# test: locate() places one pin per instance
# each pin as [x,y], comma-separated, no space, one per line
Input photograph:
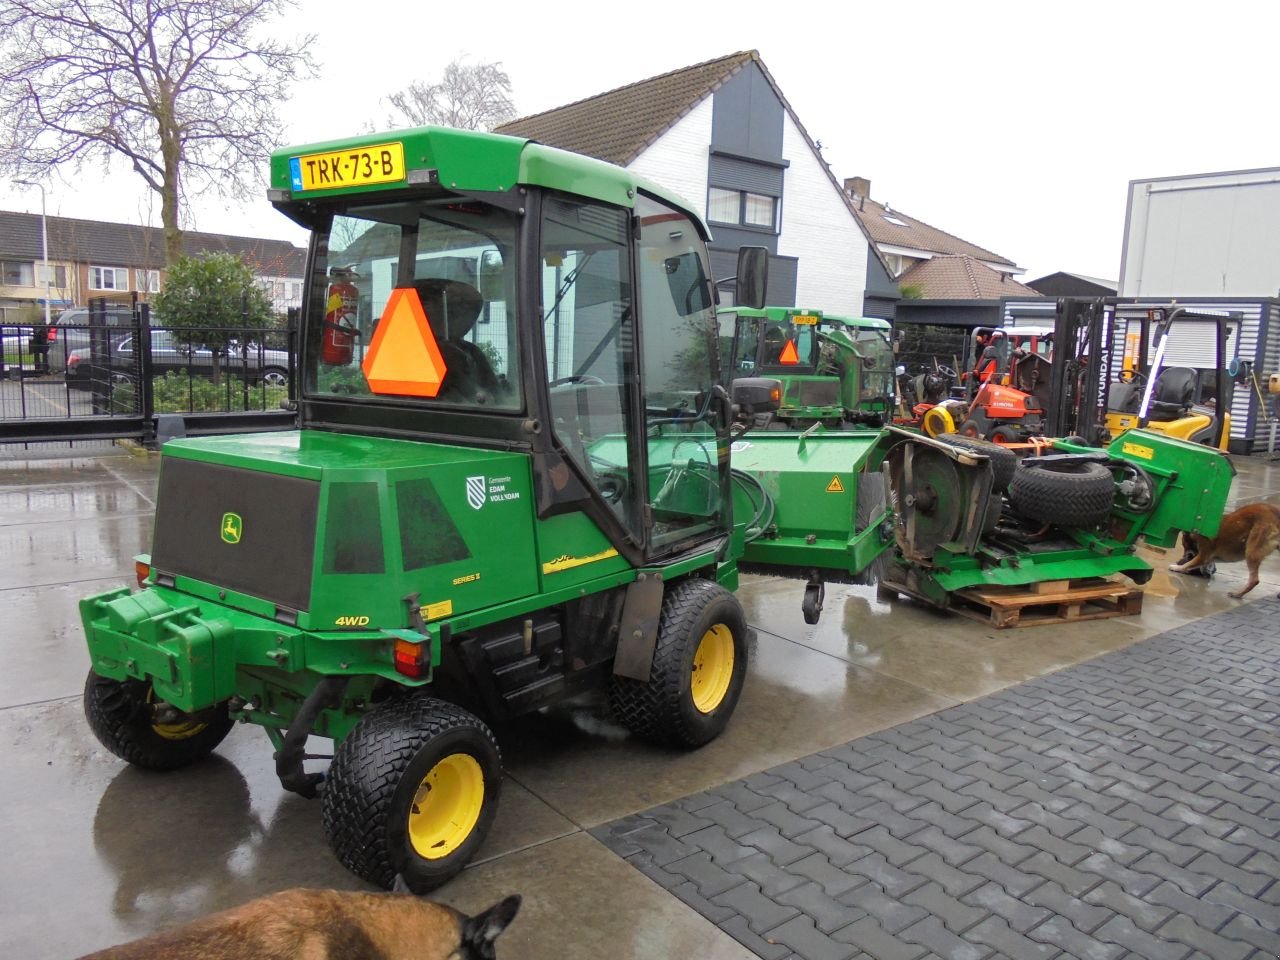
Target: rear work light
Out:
[410,659]
[142,570]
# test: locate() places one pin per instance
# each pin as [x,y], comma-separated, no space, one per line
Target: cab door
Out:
[685,416]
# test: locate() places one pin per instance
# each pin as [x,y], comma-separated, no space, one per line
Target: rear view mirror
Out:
[754,395]
[752,278]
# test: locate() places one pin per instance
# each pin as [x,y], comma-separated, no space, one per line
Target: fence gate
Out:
[107,372]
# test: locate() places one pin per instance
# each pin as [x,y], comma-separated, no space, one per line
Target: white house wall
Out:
[678,159]
[819,230]
[817,227]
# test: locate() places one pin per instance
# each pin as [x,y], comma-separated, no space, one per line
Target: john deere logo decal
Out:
[232,527]
[475,492]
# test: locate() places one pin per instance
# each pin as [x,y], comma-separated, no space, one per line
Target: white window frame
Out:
[98,275]
[146,280]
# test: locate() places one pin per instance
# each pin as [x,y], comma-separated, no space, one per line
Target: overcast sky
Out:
[1015,125]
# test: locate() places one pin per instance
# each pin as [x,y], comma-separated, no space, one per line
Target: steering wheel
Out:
[946,372]
[1133,376]
[576,378]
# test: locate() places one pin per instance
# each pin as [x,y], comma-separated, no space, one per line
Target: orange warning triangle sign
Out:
[790,356]
[835,486]
[404,358]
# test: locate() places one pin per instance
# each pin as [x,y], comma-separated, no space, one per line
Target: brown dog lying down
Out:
[328,925]
[1249,534]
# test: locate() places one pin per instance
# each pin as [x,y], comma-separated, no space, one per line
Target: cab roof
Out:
[472,161]
[783,314]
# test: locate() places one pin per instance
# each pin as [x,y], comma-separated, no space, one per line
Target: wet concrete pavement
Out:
[97,852]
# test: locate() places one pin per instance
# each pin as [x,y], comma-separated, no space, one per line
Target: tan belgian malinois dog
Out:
[328,925]
[1249,534]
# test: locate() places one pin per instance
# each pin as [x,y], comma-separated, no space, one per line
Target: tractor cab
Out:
[576,327]
[1183,399]
[834,370]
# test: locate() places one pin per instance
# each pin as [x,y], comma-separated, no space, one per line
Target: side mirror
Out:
[752,278]
[754,395]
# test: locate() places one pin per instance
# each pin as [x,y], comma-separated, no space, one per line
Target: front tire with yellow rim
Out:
[132,723]
[699,664]
[412,791]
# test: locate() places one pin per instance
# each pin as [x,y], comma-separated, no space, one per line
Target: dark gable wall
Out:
[882,290]
[746,154]
[746,118]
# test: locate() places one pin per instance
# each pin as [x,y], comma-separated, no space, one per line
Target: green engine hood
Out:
[332,531]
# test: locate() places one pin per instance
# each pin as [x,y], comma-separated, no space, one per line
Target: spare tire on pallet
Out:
[1064,494]
[1003,460]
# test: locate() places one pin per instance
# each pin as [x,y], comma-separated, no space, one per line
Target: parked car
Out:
[268,364]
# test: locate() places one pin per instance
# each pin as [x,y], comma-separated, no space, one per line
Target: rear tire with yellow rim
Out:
[123,716]
[412,791]
[699,664]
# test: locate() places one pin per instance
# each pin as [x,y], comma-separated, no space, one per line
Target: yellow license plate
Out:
[353,167]
[804,320]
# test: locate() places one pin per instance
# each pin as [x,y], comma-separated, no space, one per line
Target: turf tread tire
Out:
[1004,462]
[662,710]
[117,715]
[1066,495]
[362,792]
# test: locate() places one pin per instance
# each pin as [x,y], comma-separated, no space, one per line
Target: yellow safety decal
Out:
[835,486]
[1137,450]
[567,562]
[469,578]
[434,611]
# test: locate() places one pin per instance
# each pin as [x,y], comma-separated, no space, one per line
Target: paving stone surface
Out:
[1125,807]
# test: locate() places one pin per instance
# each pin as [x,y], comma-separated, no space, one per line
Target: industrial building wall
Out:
[1209,235]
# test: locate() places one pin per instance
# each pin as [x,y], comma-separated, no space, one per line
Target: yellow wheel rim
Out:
[937,420]
[175,731]
[712,668]
[446,806]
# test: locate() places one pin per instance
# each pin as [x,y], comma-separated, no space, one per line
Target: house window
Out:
[16,273]
[723,205]
[758,210]
[148,280]
[742,208]
[894,262]
[57,275]
[108,278]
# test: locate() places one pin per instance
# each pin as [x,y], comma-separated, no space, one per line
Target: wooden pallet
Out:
[1058,601]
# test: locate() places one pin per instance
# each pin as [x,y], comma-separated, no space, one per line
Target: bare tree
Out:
[186,91]
[473,97]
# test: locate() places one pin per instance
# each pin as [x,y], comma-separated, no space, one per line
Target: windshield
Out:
[415,301]
[874,346]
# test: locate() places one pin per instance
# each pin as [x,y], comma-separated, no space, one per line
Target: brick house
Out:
[92,258]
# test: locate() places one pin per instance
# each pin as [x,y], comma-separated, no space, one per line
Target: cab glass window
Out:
[589,340]
[456,258]
[679,370]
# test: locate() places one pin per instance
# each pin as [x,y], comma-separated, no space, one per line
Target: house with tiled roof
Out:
[116,261]
[959,277]
[722,135]
[905,242]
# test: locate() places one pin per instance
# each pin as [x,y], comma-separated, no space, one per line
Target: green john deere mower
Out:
[510,485]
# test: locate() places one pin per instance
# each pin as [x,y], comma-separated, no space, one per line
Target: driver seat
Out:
[1174,393]
[452,308]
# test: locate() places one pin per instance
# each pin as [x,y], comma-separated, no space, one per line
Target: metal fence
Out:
[110,374]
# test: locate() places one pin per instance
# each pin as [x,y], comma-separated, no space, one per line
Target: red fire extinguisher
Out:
[340,318]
